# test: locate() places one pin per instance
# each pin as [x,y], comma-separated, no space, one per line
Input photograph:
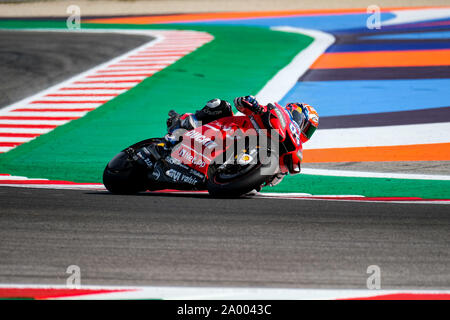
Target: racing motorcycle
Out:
[228,157]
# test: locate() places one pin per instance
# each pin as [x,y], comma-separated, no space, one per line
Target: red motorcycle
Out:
[228,157]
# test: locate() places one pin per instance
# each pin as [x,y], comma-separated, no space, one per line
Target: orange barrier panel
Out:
[418,152]
[377,59]
[189,17]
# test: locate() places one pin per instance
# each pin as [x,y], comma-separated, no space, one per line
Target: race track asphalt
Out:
[151,239]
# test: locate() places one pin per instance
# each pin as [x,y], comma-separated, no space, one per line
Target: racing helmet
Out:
[306,118]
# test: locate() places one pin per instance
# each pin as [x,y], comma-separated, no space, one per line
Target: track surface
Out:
[33,61]
[193,240]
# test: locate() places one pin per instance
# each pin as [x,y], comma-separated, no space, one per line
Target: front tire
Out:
[234,187]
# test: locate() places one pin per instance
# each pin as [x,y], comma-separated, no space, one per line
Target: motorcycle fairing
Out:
[172,172]
[200,146]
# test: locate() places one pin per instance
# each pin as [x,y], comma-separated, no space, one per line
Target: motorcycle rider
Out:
[303,114]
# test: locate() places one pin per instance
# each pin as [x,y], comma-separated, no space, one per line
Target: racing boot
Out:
[178,124]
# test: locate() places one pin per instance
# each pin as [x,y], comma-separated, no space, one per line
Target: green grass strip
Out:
[370,187]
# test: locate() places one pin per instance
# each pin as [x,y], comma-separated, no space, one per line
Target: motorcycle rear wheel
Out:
[123,175]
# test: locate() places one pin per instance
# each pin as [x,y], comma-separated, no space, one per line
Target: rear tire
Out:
[124,176]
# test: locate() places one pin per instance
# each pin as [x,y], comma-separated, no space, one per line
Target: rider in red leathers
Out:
[303,114]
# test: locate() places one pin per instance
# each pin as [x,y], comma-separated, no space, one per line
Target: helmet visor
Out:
[298,117]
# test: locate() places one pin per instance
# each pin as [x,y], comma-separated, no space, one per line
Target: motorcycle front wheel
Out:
[238,180]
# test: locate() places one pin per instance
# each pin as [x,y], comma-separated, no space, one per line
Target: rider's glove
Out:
[248,102]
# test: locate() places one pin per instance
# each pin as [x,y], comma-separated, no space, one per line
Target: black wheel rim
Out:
[232,172]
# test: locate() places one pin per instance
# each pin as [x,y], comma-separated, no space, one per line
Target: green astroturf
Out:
[370,187]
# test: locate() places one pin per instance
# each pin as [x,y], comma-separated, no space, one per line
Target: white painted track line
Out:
[226,293]
[388,175]
[415,15]
[286,78]
[381,136]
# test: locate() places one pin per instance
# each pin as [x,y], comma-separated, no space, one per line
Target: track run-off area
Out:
[378,165]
